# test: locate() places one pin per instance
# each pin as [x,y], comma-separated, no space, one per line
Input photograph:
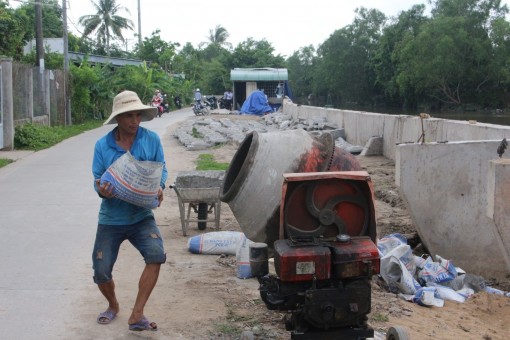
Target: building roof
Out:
[96,59]
[262,74]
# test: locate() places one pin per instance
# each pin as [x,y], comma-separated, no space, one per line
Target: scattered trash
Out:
[423,280]
[243,268]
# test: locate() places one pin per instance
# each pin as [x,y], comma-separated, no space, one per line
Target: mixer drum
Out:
[252,185]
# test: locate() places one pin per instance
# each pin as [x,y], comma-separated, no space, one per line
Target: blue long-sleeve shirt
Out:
[146,147]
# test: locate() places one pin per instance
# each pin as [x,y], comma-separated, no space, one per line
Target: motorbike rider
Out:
[198,97]
[177,101]
[157,101]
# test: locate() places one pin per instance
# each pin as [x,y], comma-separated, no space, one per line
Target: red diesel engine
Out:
[325,257]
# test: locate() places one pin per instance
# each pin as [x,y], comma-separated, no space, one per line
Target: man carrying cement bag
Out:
[121,220]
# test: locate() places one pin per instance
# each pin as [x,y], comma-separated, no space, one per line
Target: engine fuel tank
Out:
[355,257]
[301,262]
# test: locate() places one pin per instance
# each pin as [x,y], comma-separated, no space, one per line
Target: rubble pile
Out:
[204,132]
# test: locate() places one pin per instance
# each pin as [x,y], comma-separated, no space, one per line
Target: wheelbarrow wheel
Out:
[203,210]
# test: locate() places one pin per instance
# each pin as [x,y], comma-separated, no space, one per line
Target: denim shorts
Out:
[144,236]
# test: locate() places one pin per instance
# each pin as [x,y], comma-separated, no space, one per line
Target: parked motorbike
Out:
[211,102]
[222,102]
[177,102]
[201,109]
[165,105]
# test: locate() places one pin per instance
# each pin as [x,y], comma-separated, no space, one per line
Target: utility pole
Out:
[139,26]
[39,36]
[39,44]
[67,102]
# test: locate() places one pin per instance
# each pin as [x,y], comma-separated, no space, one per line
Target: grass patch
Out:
[37,137]
[379,317]
[4,162]
[228,329]
[206,162]
[195,133]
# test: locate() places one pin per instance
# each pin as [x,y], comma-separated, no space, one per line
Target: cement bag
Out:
[405,254]
[215,243]
[396,275]
[390,242]
[243,268]
[398,265]
[438,272]
[136,182]
[447,293]
[428,296]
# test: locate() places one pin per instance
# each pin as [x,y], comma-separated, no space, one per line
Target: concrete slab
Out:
[444,186]
[374,147]
[498,203]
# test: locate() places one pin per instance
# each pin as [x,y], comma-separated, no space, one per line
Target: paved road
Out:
[48,214]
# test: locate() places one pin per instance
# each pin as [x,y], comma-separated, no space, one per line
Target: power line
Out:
[71,21]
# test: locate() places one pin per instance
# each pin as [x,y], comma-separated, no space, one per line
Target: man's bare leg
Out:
[108,291]
[147,283]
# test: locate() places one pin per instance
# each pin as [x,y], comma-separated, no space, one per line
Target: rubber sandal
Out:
[106,317]
[143,325]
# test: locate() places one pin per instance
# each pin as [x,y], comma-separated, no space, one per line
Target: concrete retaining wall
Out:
[499,203]
[396,129]
[443,182]
[444,187]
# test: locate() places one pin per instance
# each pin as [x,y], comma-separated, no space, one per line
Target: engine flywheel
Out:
[327,208]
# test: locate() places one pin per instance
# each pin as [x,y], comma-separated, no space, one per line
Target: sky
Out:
[287,24]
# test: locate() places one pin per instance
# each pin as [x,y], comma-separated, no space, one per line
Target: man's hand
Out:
[160,196]
[105,190]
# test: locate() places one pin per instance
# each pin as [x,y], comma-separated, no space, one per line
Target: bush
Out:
[34,137]
[38,137]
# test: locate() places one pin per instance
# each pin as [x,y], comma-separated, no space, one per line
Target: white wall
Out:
[396,129]
[51,44]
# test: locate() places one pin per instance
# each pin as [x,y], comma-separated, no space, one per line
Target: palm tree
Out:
[218,36]
[105,22]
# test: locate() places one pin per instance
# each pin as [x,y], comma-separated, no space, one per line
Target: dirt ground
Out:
[199,296]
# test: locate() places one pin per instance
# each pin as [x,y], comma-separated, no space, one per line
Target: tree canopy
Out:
[453,57]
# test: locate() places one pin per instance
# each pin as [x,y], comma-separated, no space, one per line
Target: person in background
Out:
[229,98]
[157,101]
[177,101]
[265,95]
[158,97]
[198,97]
[119,220]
